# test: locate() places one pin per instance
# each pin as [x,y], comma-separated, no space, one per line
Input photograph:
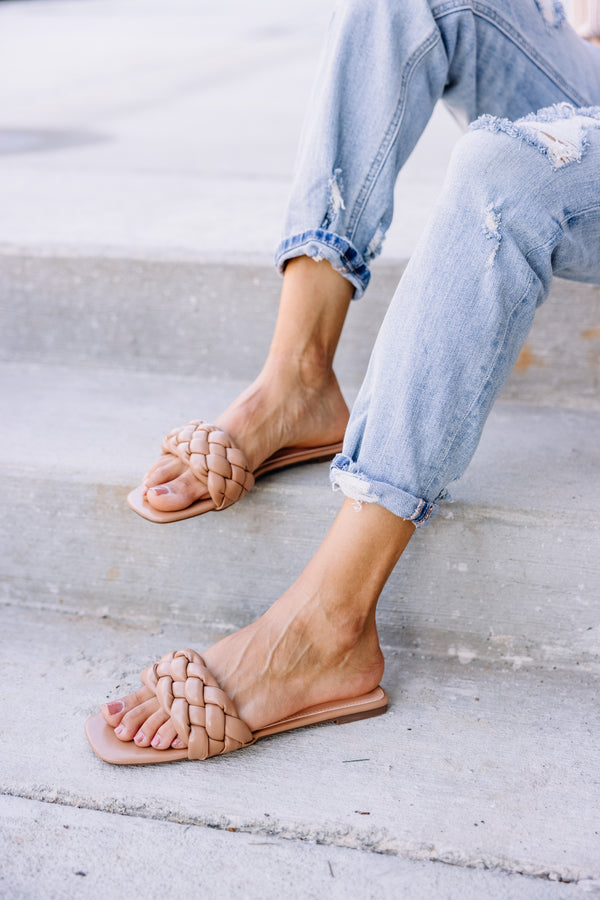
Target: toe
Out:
[165,736]
[166,468]
[134,720]
[177,494]
[147,730]
[115,710]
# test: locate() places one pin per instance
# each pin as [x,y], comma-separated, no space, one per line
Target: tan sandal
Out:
[206,719]
[217,462]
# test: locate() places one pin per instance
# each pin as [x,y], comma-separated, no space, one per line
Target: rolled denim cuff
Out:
[320,244]
[346,476]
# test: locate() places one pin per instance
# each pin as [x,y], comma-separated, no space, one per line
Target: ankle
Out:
[353,642]
[308,368]
[336,626]
[315,369]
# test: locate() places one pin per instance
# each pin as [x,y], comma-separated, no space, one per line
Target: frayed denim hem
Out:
[320,244]
[345,476]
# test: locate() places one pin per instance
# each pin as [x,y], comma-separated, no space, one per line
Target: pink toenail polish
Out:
[161,489]
[116,706]
[119,730]
[139,737]
[176,743]
[156,741]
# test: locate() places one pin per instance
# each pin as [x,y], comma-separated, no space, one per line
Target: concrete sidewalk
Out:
[130,128]
[147,151]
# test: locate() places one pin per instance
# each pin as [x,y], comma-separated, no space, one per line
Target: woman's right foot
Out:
[317,643]
[280,409]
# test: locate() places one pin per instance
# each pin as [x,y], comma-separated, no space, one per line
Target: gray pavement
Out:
[132,128]
[146,154]
[89,853]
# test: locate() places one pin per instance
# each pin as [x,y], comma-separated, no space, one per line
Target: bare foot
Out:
[280,409]
[295,401]
[293,657]
[317,643]
[138,717]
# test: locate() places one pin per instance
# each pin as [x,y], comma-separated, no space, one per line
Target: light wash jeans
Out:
[385,65]
[521,202]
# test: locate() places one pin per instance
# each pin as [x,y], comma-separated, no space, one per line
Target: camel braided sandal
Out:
[213,459]
[205,717]
[216,462]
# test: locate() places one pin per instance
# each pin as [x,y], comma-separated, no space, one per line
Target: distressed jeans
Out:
[521,202]
[385,65]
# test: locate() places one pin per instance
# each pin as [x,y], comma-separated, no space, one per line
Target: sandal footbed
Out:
[108,747]
[289,456]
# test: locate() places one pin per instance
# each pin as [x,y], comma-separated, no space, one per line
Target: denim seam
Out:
[580,212]
[389,137]
[491,16]
[562,226]
[529,50]
[548,244]
[485,381]
[554,238]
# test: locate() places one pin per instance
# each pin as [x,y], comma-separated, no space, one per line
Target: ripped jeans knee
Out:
[521,204]
[559,132]
[524,178]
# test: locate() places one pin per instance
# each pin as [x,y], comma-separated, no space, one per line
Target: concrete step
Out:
[120,184]
[214,321]
[509,573]
[473,767]
[86,852]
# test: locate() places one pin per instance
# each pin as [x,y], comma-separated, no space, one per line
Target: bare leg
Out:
[318,642]
[296,399]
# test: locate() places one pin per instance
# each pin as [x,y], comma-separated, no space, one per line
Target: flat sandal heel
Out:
[355,717]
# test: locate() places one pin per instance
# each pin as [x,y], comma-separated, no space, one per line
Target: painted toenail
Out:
[116,706]
[139,737]
[177,743]
[156,741]
[119,730]
[161,489]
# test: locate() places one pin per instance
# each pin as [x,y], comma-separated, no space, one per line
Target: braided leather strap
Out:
[213,459]
[204,717]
